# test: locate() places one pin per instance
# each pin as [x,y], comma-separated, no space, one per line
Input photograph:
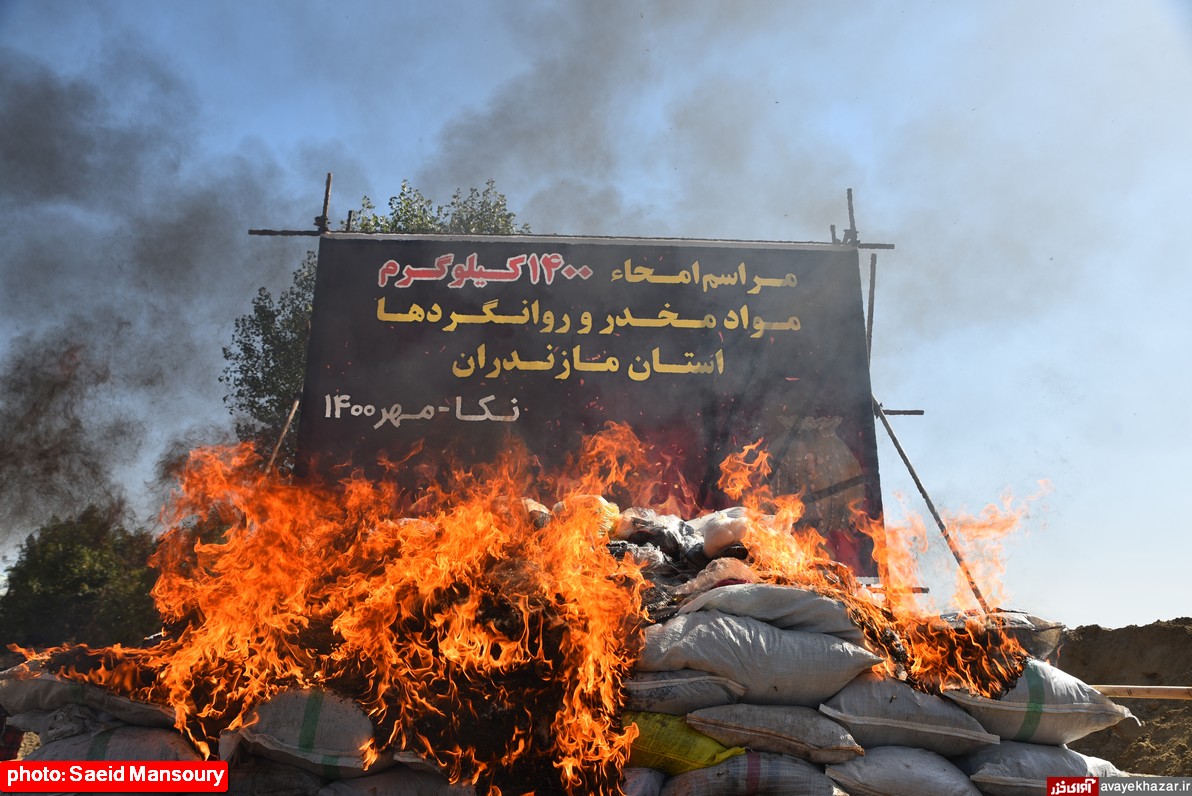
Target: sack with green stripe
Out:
[311,729]
[119,743]
[1045,706]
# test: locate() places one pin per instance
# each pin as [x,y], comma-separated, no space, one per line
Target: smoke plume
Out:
[125,262]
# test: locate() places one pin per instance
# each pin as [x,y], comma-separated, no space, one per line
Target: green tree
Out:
[266,360]
[81,580]
[475,213]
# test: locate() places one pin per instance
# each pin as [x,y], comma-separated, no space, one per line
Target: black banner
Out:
[702,347]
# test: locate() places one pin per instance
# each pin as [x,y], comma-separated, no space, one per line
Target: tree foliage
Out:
[84,579]
[266,360]
[478,212]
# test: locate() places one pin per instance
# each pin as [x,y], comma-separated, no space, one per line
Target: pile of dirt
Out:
[1155,654]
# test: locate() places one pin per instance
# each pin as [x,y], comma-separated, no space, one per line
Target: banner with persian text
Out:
[422,345]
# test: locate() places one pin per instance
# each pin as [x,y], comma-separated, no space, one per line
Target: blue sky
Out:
[1030,161]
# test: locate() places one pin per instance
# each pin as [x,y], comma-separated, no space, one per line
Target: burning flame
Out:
[477,628]
[918,646]
[458,631]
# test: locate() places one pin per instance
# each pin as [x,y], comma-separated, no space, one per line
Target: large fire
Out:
[477,628]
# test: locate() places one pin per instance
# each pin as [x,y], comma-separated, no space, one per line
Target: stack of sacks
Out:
[76,721]
[1045,709]
[746,665]
[298,742]
[780,684]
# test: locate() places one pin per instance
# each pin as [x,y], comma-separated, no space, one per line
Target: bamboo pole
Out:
[1145,691]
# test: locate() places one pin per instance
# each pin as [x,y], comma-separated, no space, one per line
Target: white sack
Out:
[786,729]
[777,667]
[882,711]
[642,781]
[125,743]
[786,607]
[29,687]
[753,774]
[1022,769]
[679,692]
[901,771]
[1046,706]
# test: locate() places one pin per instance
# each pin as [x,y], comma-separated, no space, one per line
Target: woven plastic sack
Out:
[1045,706]
[777,667]
[901,771]
[784,729]
[1041,638]
[642,781]
[399,781]
[721,529]
[881,711]
[311,729]
[666,743]
[28,687]
[1022,769]
[68,720]
[786,607]
[722,569]
[256,776]
[124,743]
[754,774]
[679,692]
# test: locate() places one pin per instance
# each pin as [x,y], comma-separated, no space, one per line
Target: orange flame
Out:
[918,646]
[467,616]
[482,631]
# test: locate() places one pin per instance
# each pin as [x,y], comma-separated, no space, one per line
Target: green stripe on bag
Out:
[1035,697]
[310,720]
[98,748]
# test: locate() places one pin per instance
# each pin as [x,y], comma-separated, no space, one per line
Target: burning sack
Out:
[777,667]
[119,743]
[311,729]
[1045,706]
[400,781]
[30,689]
[784,607]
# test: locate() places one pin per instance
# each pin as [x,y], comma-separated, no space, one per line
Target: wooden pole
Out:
[939,522]
[1145,691]
[869,312]
[281,438]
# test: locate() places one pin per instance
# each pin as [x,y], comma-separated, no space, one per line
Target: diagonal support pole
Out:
[877,410]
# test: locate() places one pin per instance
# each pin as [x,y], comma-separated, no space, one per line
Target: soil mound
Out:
[1154,654]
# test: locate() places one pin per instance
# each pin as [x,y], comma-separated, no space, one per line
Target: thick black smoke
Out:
[59,437]
[125,262]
